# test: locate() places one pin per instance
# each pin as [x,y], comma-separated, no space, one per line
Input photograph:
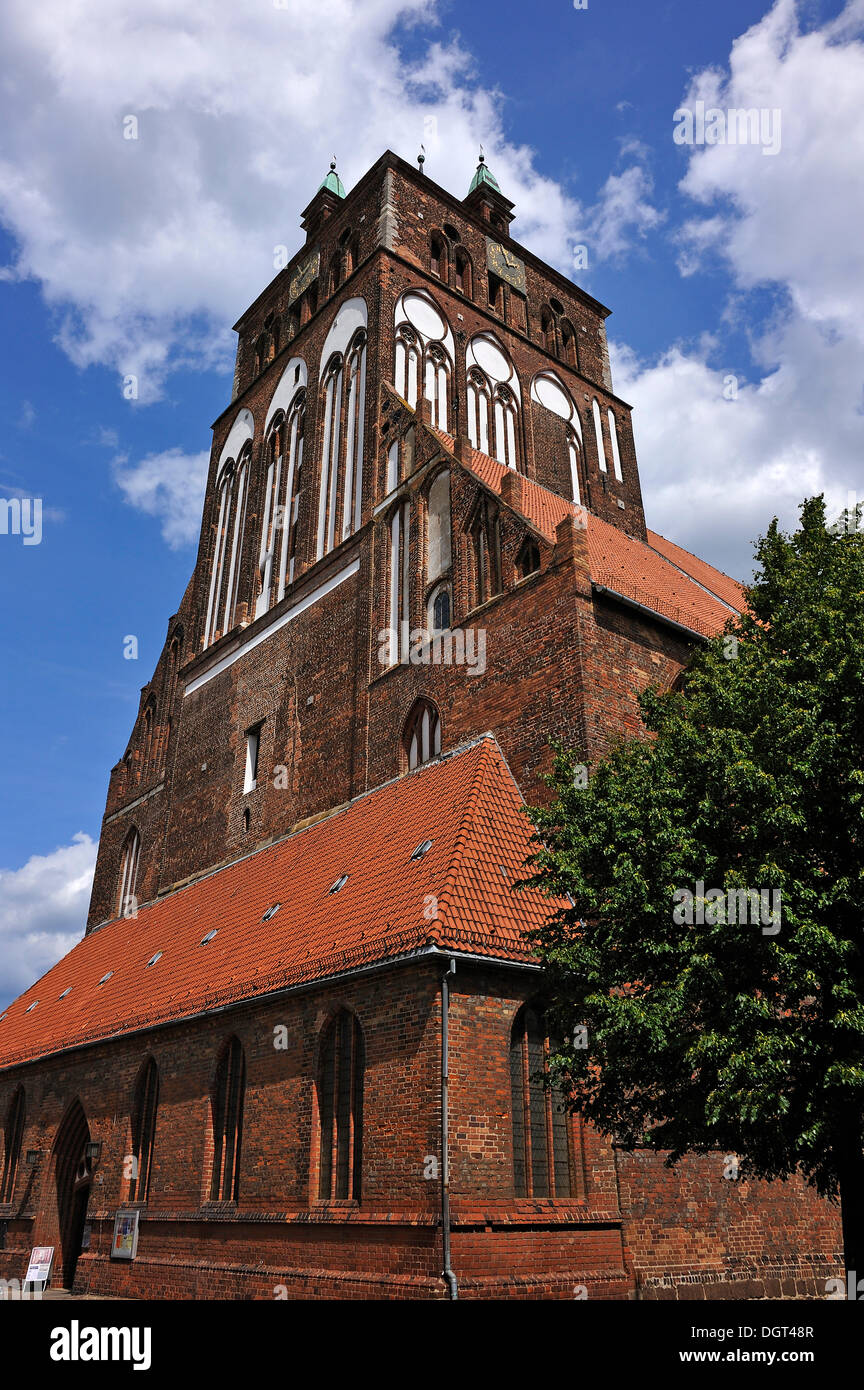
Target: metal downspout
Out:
[448,1273]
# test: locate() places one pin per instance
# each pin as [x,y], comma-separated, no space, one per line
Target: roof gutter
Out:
[301,987]
[650,612]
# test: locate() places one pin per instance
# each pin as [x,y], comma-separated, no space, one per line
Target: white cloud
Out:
[170,486]
[624,212]
[149,247]
[714,470]
[43,909]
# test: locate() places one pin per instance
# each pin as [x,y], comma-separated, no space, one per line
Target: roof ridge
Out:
[706,564]
[649,530]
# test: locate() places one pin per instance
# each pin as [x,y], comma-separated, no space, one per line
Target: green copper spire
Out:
[483,174]
[333,181]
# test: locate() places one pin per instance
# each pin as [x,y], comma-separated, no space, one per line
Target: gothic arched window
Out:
[356,388]
[505,426]
[273,451]
[229,1088]
[13,1134]
[493,399]
[424,355]
[340,1109]
[407,363]
[479,409]
[333,272]
[344,405]
[437,389]
[126,901]
[438,610]
[598,435]
[398,576]
[438,542]
[332,404]
[574,453]
[438,256]
[173,671]
[288,507]
[230,526]
[547,329]
[613,439]
[485,540]
[422,737]
[144,1106]
[462,273]
[529,558]
[543,1160]
[148,732]
[568,343]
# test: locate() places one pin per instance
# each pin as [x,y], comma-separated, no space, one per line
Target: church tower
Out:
[418,402]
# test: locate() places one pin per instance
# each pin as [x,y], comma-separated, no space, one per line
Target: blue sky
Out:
[121,256]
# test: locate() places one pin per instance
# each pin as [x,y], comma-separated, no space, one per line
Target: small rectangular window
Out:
[253,742]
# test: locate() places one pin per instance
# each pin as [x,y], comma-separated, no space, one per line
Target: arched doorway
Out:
[73,1172]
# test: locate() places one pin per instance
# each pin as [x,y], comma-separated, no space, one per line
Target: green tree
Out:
[714,1033]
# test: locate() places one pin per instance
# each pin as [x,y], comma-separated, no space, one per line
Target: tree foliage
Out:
[726,1035]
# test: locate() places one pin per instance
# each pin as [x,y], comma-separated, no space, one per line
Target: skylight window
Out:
[422,849]
[153,959]
[31,1007]
[209,937]
[339,884]
[67,990]
[106,977]
[271,912]
[2,1016]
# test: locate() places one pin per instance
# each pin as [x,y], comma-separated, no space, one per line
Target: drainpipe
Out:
[449,1276]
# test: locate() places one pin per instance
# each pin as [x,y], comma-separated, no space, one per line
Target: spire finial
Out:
[483,174]
[333,182]
[421,158]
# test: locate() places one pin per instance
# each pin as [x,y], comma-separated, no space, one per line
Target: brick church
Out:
[300,1046]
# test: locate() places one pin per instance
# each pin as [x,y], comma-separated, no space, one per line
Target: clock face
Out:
[507,266]
[303,276]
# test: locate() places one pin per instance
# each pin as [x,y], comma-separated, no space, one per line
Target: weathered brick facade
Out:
[567,609]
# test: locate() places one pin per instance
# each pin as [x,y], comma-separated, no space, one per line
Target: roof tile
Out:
[466,803]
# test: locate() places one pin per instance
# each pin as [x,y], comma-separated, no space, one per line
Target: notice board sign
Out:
[41,1263]
[124,1245]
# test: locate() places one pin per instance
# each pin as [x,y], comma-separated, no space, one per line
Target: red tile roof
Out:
[729,590]
[466,803]
[658,575]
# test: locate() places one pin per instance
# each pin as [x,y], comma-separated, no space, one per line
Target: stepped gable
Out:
[466,803]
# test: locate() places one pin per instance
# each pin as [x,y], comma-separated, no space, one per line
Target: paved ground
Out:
[61,1296]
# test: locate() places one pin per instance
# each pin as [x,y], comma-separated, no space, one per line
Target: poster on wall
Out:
[125,1243]
[39,1268]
